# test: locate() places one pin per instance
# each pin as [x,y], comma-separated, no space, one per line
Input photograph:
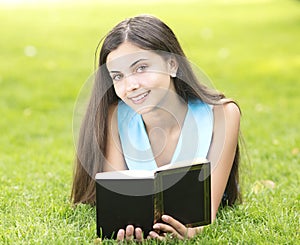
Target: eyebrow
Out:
[133,64]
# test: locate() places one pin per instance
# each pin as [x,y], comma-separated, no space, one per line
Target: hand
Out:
[130,233]
[174,228]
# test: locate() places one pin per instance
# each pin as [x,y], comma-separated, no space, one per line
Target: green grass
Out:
[251,51]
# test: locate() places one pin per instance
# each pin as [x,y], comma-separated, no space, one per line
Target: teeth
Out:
[135,99]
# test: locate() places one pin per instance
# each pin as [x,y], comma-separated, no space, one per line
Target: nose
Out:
[132,83]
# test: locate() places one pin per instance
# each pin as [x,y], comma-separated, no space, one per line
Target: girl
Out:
[143,73]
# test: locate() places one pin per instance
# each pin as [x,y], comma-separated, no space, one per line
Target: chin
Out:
[144,109]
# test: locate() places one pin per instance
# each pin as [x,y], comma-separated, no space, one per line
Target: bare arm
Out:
[114,154]
[222,150]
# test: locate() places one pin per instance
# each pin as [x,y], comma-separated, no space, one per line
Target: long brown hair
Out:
[148,33]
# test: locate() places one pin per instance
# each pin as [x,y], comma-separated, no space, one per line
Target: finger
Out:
[120,235]
[154,235]
[139,234]
[129,232]
[165,228]
[179,227]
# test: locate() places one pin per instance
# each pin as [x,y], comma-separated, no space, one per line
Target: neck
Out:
[167,116]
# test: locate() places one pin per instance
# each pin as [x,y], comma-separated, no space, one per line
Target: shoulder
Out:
[112,109]
[112,112]
[112,122]
[228,108]
[227,116]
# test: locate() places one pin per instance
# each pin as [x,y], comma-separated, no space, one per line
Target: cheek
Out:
[156,79]
[119,89]
[162,81]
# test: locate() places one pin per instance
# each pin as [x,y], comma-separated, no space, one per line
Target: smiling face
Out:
[141,77]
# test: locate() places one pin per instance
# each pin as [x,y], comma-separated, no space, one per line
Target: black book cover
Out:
[182,192]
[116,210]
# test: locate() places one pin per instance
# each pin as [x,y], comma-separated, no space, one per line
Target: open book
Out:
[140,197]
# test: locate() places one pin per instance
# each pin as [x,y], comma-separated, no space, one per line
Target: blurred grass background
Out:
[250,50]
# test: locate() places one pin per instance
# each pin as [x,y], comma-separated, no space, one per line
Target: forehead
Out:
[126,54]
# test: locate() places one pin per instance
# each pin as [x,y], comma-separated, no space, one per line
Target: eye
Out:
[117,77]
[141,68]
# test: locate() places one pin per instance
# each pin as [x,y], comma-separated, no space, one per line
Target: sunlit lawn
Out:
[250,50]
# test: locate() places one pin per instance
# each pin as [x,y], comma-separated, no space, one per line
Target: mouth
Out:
[139,98]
